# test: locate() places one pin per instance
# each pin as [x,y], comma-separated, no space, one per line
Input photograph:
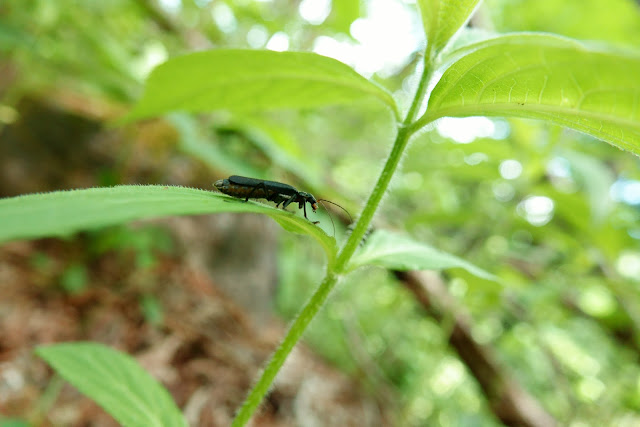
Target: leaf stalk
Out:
[335,272]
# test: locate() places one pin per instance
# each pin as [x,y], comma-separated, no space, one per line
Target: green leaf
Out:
[61,213]
[116,382]
[253,80]
[443,18]
[398,252]
[540,76]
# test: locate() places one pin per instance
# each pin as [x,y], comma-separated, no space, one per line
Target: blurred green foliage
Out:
[144,243]
[551,212]
[616,21]
[74,279]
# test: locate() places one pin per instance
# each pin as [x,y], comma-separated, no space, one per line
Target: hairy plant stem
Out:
[334,273]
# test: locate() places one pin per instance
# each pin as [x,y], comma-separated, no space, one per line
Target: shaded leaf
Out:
[399,252]
[252,80]
[545,77]
[116,382]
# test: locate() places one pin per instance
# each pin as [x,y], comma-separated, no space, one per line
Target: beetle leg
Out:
[288,202]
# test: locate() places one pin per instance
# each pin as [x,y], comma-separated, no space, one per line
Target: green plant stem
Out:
[296,330]
[334,272]
[46,400]
[402,138]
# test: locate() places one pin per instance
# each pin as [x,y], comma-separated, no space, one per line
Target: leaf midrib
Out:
[515,109]
[200,92]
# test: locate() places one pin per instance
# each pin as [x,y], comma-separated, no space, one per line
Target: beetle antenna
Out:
[346,211]
[329,213]
[330,217]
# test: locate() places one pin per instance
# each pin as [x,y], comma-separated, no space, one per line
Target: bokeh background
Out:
[201,302]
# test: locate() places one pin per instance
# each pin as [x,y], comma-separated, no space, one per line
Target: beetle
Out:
[251,188]
[245,188]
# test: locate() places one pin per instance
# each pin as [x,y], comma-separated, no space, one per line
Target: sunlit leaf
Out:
[442,18]
[116,382]
[539,76]
[399,252]
[61,213]
[252,80]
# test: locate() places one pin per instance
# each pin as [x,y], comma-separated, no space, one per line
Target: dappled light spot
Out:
[449,376]
[467,129]
[342,50]
[590,389]
[626,191]
[597,301]
[153,54]
[559,167]
[257,36]
[538,210]
[560,175]
[314,11]
[8,114]
[378,52]
[628,265]
[476,158]
[510,169]
[571,354]
[171,6]
[372,50]
[224,18]
[278,42]
[503,191]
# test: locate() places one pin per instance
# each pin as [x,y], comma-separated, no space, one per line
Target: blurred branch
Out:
[191,38]
[157,15]
[513,405]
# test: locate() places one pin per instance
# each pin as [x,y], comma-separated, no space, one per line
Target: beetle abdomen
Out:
[241,191]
